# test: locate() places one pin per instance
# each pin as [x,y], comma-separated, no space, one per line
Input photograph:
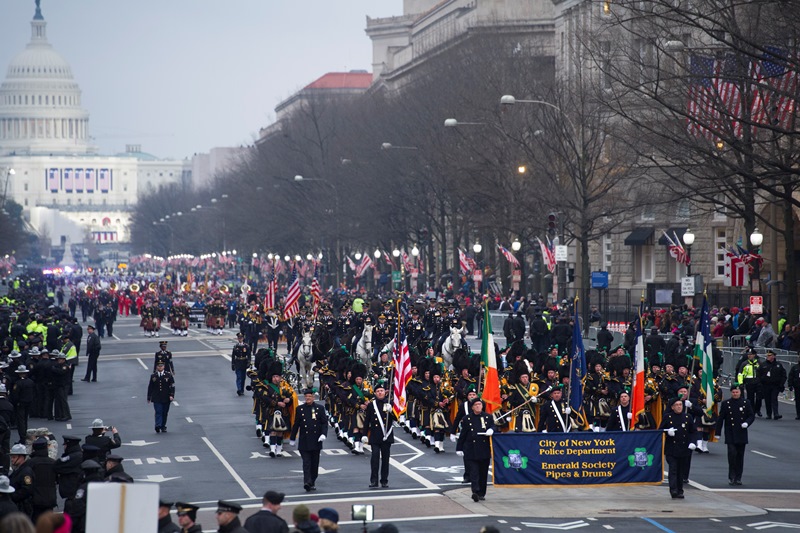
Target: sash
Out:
[386,434]
[358,391]
[560,418]
[623,420]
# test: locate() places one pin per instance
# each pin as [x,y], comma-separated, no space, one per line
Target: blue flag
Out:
[578,367]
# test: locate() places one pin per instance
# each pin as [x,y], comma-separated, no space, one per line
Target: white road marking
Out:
[229,468]
[69,426]
[176,404]
[764,454]
[116,337]
[515,528]
[502,521]
[715,519]
[413,475]
[766,491]
[780,510]
[736,528]
[607,526]
[422,518]
[142,363]
[188,419]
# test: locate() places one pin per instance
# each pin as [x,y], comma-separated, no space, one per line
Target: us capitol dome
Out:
[40,102]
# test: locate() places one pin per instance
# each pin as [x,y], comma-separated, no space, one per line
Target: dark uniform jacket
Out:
[235,526]
[474,446]
[266,521]
[117,474]
[166,525]
[93,344]
[677,446]
[240,358]
[68,470]
[164,356]
[310,422]
[104,443]
[161,387]
[772,374]
[549,420]
[732,413]
[44,479]
[379,422]
[22,481]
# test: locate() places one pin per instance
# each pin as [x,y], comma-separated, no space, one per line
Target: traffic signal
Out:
[552,224]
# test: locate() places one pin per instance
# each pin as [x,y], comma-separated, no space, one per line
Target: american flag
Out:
[508,255]
[292,305]
[702,110]
[676,250]
[366,263]
[402,373]
[316,292]
[272,288]
[775,95]
[279,267]
[729,95]
[548,256]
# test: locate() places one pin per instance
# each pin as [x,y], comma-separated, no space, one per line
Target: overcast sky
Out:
[183,76]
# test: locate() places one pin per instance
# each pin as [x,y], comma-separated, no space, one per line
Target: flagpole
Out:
[571,359]
[483,335]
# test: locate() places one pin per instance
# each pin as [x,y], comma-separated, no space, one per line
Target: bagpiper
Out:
[215,316]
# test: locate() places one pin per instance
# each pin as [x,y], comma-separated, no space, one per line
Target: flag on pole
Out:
[292,305]
[272,288]
[548,256]
[366,262]
[491,381]
[388,259]
[577,372]
[316,292]
[637,398]
[703,354]
[462,261]
[508,255]
[402,373]
[351,263]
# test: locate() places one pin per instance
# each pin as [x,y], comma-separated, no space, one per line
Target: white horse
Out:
[451,344]
[364,346]
[305,357]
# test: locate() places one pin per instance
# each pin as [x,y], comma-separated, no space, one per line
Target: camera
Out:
[363,513]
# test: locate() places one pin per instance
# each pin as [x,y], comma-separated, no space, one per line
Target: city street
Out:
[211,452]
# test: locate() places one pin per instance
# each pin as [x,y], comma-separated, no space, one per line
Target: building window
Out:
[607,251]
[684,210]
[26,201]
[25,187]
[720,214]
[648,213]
[643,263]
[720,241]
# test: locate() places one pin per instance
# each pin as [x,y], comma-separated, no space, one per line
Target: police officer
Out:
[21,478]
[772,378]
[68,467]
[678,445]
[101,442]
[228,517]
[379,424]
[187,514]
[312,425]
[475,446]
[93,353]
[115,473]
[240,362]
[160,392]
[735,416]
[165,523]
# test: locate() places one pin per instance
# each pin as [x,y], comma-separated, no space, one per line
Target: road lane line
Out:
[142,363]
[413,475]
[764,454]
[188,419]
[69,426]
[421,519]
[780,510]
[229,468]
[370,493]
[659,526]
[116,337]
[211,346]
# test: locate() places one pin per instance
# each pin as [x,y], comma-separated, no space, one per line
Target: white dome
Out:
[40,102]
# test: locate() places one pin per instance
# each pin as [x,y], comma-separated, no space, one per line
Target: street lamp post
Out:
[516,246]
[477,247]
[756,239]
[688,240]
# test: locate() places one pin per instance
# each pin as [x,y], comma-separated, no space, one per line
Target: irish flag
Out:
[702,352]
[491,382]
[637,396]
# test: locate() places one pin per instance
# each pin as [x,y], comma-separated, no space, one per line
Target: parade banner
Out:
[578,458]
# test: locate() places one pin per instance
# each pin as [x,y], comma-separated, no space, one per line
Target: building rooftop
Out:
[355,79]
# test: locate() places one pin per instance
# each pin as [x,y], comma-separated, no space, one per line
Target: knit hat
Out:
[301,514]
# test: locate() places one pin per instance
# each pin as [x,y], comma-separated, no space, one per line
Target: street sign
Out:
[756,305]
[516,276]
[687,286]
[600,279]
[562,254]
[396,276]
[477,275]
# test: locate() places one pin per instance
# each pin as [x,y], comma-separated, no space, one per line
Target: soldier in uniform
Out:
[345,322]
[240,362]
[311,425]
[379,426]
[522,398]
[415,329]
[431,317]
[678,445]
[164,356]
[474,445]
[382,334]
[273,329]
[735,416]
[160,392]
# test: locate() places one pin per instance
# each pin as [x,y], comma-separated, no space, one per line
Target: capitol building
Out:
[68,192]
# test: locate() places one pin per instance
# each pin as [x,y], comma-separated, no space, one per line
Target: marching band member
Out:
[380,418]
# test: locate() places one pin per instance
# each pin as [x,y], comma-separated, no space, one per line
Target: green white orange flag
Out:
[491,381]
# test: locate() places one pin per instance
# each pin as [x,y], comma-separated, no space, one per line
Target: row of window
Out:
[46,99]
[40,70]
[43,128]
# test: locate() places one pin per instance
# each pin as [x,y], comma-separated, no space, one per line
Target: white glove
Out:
[292,442]
[489,432]
[321,438]
[534,400]
[453,438]
[744,425]
[568,410]
[460,453]
[671,432]
[630,416]
[545,431]
[688,404]
[364,439]
[596,429]
[692,446]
